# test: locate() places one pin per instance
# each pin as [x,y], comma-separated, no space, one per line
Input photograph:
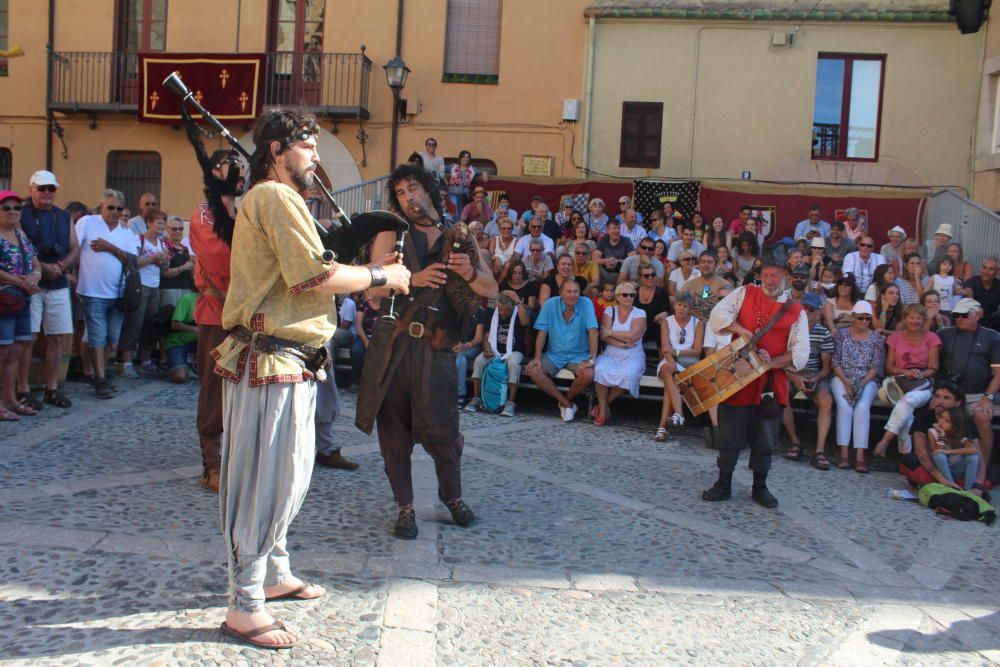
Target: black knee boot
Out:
[760,494]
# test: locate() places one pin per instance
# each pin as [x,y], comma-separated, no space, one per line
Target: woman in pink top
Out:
[914,359]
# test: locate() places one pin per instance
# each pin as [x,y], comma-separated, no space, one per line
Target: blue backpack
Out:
[494,385]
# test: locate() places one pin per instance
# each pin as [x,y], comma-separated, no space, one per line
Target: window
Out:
[642,126]
[295,61]
[133,172]
[5,169]
[847,106]
[472,41]
[142,25]
[4,17]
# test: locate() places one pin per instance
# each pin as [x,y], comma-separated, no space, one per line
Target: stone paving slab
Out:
[591,547]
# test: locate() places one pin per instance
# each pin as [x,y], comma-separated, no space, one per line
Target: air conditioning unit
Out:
[413,107]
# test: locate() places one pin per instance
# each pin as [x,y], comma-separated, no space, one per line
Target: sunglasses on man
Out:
[46,188]
[111,207]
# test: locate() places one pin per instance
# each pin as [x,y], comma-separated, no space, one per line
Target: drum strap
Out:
[767,327]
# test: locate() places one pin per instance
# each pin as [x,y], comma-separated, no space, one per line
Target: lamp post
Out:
[395,75]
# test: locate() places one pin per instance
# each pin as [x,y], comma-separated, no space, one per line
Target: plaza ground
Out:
[591,547]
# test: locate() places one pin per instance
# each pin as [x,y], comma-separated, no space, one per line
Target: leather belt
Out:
[314,359]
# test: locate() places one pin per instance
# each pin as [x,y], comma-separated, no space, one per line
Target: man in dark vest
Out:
[409,381]
[51,232]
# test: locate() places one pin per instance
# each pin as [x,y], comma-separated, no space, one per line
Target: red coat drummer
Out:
[751,417]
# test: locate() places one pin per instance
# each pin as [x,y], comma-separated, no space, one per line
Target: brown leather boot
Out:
[210,480]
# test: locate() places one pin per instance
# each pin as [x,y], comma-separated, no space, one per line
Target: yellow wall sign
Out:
[536,165]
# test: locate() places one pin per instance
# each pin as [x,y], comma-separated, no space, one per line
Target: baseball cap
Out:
[862,308]
[772,263]
[966,305]
[847,279]
[43,177]
[10,194]
[837,224]
[812,300]
[801,270]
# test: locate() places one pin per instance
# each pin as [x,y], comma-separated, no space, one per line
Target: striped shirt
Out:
[820,342]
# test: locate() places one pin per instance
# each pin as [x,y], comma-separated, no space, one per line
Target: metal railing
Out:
[365,196]
[329,84]
[975,227]
[334,84]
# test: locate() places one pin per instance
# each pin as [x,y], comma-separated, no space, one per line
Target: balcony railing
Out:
[826,140]
[327,84]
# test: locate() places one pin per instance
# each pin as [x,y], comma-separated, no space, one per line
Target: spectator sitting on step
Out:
[954,454]
[595,217]
[564,271]
[685,271]
[471,333]
[888,311]
[611,251]
[605,299]
[936,320]
[182,340]
[913,357]
[813,381]
[505,338]
[682,340]
[970,356]
[518,282]
[537,262]
[586,269]
[985,288]
[478,210]
[858,364]
[635,264]
[619,368]
[918,466]
[567,338]
[501,249]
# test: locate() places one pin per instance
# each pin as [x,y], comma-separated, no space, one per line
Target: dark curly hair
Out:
[285,126]
[411,172]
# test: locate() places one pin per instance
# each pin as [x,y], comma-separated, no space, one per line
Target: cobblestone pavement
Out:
[592,547]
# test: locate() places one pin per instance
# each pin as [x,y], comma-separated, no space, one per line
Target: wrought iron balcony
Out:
[334,85]
[826,140]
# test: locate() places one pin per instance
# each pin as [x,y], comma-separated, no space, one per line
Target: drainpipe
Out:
[239,11]
[49,116]
[588,95]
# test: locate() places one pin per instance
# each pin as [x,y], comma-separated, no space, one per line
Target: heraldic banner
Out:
[651,195]
[230,86]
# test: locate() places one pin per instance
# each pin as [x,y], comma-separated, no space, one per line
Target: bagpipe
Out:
[343,242]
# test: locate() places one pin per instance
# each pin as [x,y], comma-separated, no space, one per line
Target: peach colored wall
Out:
[542,54]
[733,102]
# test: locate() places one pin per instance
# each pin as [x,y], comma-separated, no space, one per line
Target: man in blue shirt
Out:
[812,226]
[569,325]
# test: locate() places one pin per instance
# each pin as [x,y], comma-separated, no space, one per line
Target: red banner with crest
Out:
[230,86]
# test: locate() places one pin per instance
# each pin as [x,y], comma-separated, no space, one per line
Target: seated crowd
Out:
[615,298]
[69,264]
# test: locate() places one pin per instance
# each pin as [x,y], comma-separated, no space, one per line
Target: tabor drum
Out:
[720,375]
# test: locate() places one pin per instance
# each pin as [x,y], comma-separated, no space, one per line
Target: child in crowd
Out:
[605,299]
[955,455]
[943,282]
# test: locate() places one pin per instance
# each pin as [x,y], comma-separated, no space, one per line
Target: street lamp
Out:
[395,75]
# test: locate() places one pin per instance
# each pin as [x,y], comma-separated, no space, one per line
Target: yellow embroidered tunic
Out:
[276,261]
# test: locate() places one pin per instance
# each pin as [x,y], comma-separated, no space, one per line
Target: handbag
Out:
[912,384]
[130,287]
[12,300]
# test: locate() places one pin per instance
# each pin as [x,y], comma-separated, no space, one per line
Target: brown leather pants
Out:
[209,396]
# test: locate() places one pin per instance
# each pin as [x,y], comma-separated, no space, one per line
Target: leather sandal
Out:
[248,636]
[794,453]
[861,467]
[820,462]
[57,398]
[844,463]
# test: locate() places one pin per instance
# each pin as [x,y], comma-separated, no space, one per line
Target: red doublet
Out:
[756,311]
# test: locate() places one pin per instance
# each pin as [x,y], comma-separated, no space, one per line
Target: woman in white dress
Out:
[502,249]
[620,367]
[682,339]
